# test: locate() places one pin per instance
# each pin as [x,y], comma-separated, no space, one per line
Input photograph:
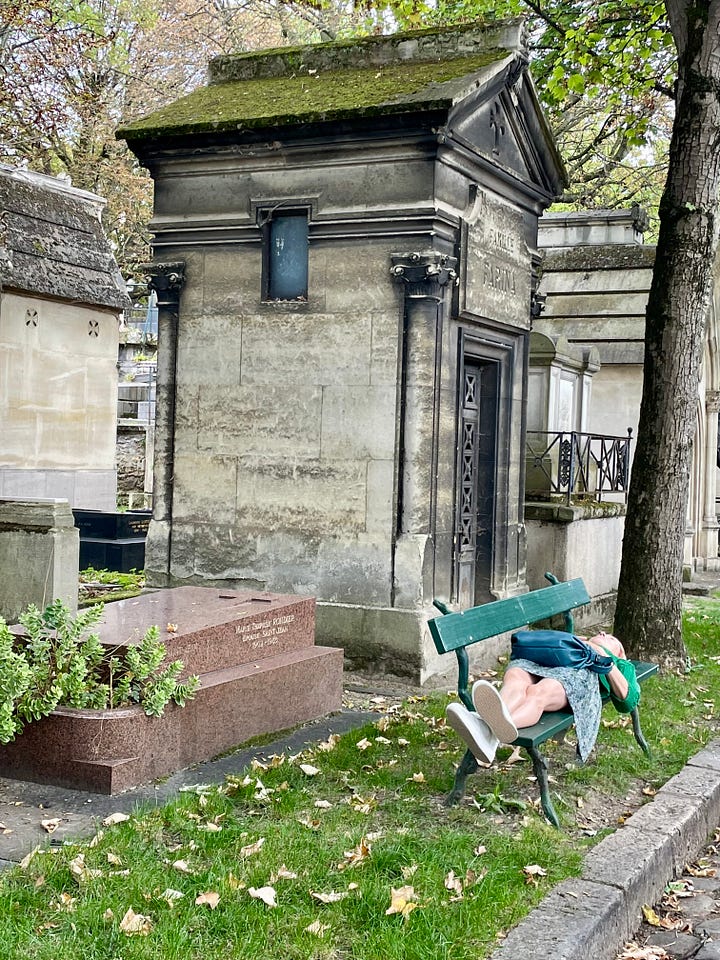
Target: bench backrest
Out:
[453,631]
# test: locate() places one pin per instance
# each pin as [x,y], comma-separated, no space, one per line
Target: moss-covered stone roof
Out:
[308,98]
[376,76]
[52,242]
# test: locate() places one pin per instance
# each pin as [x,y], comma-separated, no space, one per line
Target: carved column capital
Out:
[712,401]
[424,274]
[167,280]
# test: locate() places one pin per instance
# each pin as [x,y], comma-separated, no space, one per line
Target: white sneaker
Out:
[473,731]
[491,707]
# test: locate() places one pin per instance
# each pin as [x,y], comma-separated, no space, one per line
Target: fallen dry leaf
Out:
[114,859]
[323,804]
[515,757]
[25,862]
[532,871]
[115,818]
[65,903]
[309,770]
[402,901]
[310,824]
[252,848]
[135,924]
[402,742]
[664,923]
[171,896]
[327,745]
[363,744]
[209,898]
[171,628]
[417,778]
[50,826]
[319,929]
[182,866]
[266,894]
[210,827]
[479,850]
[354,858]
[80,871]
[108,915]
[409,870]
[330,897]
[634,952]
[282,873]
[454,884]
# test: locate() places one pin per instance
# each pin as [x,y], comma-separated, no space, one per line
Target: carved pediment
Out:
[503,123]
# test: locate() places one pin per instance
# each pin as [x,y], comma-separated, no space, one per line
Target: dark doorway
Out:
[477,465]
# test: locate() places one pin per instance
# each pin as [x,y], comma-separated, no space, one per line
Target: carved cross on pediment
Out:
[497,126]
[31,318]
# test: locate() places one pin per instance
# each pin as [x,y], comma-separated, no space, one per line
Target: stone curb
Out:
[597,913]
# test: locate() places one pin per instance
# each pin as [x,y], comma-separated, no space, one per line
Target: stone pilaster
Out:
[425,277]
[167,280]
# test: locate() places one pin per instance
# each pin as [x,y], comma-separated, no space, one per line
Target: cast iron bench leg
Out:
[541,774]
[468,765]
[635,716]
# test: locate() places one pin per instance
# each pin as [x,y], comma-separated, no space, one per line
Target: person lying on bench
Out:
[529,690]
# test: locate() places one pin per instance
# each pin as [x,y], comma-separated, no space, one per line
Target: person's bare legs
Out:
[528,697]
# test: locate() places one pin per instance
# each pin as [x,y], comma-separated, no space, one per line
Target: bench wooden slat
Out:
[456,630]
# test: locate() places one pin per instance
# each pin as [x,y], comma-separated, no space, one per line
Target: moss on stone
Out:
[599,256]
[332,95]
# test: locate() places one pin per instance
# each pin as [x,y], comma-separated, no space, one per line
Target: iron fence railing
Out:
[573,464]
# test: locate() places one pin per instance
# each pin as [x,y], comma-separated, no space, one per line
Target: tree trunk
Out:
[649,604]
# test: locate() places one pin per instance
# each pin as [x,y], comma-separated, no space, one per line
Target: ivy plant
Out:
[60,662]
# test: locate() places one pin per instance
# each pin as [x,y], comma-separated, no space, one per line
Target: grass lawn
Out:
[346,852]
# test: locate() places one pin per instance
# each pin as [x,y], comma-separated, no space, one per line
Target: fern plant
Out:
[61,663]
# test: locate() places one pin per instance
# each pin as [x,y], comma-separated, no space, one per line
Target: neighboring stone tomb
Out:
[259,672]
[39,547]
[596,276]
[61,295]
[346,243]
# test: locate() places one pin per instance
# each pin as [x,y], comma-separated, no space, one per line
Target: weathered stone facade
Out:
[60,298]
[361,442]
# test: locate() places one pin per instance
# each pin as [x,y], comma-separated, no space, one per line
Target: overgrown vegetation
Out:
[59,662]
[108,585]
[346,850]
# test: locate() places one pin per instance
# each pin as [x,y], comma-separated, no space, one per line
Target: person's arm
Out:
[603,644]
[621,683]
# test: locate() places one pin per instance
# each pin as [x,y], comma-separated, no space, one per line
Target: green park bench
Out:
[455,632]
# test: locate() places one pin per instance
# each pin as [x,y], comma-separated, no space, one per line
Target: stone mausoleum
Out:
[345,243]
[61,297]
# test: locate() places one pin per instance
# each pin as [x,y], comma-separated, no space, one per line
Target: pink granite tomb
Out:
[259,669]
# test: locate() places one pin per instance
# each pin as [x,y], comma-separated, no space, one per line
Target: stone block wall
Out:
[577,541]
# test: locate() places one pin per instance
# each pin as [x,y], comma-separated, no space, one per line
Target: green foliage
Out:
[61,663]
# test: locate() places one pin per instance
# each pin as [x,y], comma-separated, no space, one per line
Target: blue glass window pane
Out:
[288,257]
